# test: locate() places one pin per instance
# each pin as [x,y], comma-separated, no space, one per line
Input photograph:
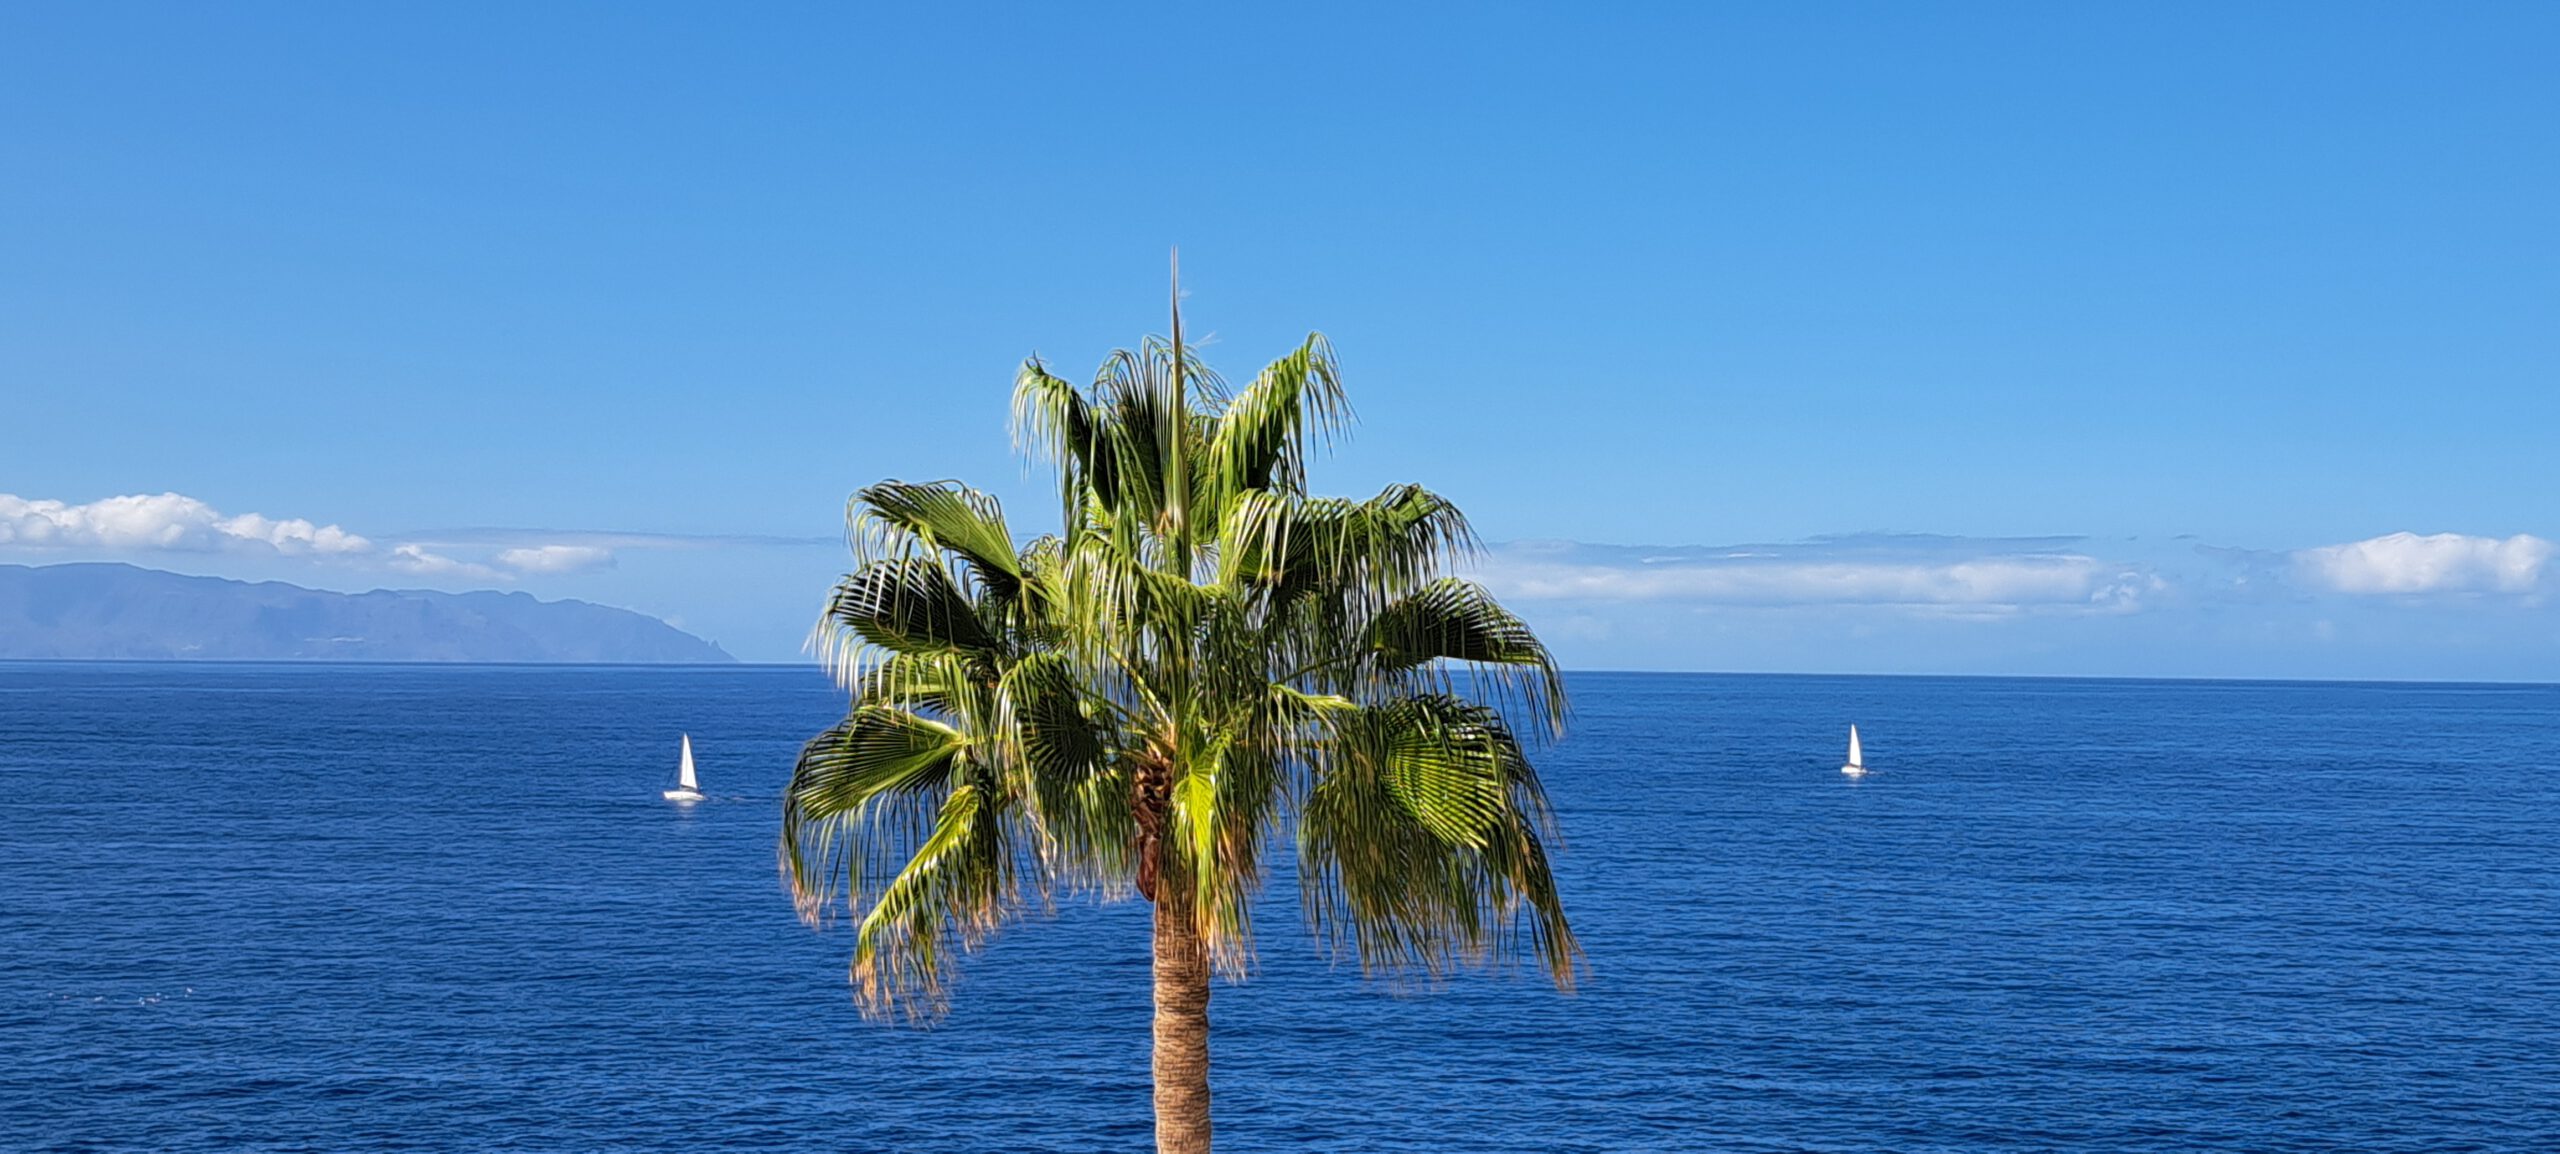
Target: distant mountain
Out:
[120,612]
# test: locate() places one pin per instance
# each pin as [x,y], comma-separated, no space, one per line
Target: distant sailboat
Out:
[687,789]
[1857,766]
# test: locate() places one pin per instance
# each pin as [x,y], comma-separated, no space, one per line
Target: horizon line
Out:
[820,667]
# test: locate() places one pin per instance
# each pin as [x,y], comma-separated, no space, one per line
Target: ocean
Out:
[308,908]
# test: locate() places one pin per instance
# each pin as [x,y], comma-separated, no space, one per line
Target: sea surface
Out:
[406,908]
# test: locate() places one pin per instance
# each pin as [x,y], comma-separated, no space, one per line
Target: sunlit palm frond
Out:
[1420,845]
[1261,436]
[902,605]
[1054,423]
[925,682]
[1452,620]
[958,887]
[902,519]
[1347,554]
[842,809]
[1063,763]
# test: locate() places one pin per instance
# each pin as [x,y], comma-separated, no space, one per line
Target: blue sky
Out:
[2163,300]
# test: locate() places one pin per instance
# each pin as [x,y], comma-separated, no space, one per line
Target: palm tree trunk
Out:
[1182,1032]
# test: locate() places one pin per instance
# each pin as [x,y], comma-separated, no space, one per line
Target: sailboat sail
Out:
[1855,757]
[684,774]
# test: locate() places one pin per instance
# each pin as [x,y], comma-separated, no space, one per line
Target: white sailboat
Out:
[687,789]
[1857,766]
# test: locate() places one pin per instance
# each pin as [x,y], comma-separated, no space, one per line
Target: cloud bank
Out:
[417,559]
[176,523]
[556,558]
[167,522]
[2407,563]
[1918,571]
[1884,570]
[611,539]
[2400,605]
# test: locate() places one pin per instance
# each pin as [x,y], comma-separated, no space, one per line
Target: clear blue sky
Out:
[2149,277]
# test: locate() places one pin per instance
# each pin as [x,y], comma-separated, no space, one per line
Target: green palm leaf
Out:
[1423,850]
[909,605]
[1260,440]
[1454,620]
[875,750]
[957,887]
[945,516]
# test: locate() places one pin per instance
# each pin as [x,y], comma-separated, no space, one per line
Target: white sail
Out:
[1855,757]
[684,773]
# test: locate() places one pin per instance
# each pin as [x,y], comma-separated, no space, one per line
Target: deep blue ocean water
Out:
[310,908]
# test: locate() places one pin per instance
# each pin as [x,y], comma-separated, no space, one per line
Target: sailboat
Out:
[1857,766]
[687,789]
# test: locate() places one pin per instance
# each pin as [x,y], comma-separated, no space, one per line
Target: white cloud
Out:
[416,559]
[167,522]
[176,523]
[1931,573]
[504,537]
[2439,563]
[556,558]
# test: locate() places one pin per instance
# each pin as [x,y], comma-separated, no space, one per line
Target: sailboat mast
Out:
[684,773]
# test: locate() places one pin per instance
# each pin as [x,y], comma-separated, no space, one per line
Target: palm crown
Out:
[1202,658]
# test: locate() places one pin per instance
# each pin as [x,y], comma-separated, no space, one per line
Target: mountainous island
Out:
[98,611]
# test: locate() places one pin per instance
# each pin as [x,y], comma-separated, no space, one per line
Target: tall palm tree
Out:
[1203,657]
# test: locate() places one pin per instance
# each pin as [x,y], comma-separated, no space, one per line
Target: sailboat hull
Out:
[1854,770]
[682,795]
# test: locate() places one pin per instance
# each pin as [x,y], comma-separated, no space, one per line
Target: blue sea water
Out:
[402,908]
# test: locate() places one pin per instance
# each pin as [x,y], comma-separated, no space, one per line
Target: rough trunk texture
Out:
[1182,1033]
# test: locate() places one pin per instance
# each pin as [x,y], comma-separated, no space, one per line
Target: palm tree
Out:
[1204,657]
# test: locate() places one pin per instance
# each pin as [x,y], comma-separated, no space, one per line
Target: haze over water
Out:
[328,908]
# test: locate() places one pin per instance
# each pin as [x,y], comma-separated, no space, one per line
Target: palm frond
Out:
[1053,422]
[841,819]
[1345,553]
[1260,440]
[925,682]
[1078,792]
[896,518]
[1140,438]
[1455,620]
[957,889]
[1420,845]
[902,605]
